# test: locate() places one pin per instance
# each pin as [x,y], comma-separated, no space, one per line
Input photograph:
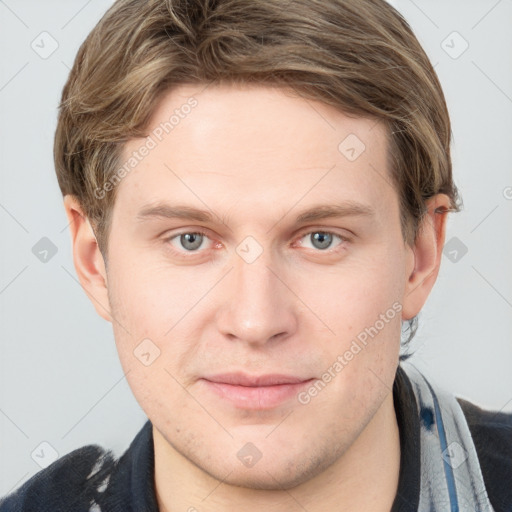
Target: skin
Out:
[256,157]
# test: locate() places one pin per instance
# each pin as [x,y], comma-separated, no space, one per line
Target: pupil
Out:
[191,241]
[322,240]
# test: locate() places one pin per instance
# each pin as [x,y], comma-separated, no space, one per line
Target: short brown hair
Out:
[359,56]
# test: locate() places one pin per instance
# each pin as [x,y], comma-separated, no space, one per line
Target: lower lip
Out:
[258,397]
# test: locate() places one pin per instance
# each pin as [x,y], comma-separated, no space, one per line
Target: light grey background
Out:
[60,379]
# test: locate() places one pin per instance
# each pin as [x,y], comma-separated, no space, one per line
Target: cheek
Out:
[353,294]
[156,323]
[147,310]
[360,303]
[151,298]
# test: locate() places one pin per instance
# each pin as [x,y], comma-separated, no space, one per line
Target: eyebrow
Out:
[315,213]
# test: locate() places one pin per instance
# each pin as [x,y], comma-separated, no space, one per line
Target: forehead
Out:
[253,146]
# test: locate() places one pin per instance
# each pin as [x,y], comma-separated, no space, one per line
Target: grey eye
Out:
[191,241]
[321,239]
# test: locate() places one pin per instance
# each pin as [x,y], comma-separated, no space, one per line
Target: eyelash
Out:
[344,240]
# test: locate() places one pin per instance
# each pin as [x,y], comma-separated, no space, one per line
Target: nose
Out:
[258,307]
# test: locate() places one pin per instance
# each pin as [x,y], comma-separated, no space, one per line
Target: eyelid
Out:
[302,233]
[329,230]
[201,231]
[344,239]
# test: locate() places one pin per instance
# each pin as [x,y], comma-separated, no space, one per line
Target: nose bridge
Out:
[255,286]
[257,307]
[254,280]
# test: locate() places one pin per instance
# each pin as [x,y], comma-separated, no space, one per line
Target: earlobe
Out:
[426,256]
[87,258]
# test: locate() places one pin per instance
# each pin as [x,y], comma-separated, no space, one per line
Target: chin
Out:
[275,473]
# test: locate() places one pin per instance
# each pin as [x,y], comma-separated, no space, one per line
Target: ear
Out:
[87,258]
[426,256]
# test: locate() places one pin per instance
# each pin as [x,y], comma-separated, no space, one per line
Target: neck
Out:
[364,478]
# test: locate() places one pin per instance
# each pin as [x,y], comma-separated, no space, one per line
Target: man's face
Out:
[262,292]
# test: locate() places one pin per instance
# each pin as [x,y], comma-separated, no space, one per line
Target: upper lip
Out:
[242,379]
